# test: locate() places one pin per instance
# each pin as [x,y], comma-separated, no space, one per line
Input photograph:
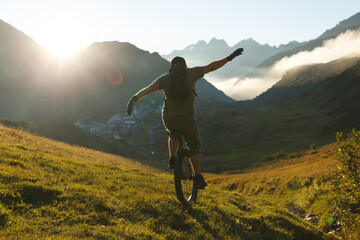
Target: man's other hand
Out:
[131,104]
[236,53]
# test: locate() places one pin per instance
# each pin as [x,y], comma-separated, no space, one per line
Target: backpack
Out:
[179,88]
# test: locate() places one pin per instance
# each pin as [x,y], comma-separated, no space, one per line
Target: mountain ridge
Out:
[351,23]
[202,53]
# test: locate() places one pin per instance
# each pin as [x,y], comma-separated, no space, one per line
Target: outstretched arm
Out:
[147,90]
[218,64]
[142,93]
[215,65]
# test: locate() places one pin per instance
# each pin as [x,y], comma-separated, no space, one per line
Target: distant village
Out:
[118,126]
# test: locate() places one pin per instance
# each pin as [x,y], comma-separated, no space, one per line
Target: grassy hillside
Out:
[299,181]
[69,133]
[54,190]
[274,177]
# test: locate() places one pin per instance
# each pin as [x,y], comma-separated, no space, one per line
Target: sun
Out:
[64,45]
[62,50]
[62,27]
[63,39]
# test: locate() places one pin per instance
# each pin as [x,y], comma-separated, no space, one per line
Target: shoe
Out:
[171,162]
[200,181]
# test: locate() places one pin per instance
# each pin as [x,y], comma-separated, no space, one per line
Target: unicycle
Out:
[184,173]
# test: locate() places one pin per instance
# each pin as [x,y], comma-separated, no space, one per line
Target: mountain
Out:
[21,61]
[332,88]
[203,53]
[37,87]
[338,42]
[300,80]
[15,43]
[338,96]
[352,23]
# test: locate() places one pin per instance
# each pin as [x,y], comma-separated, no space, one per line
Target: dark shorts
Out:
[186,126]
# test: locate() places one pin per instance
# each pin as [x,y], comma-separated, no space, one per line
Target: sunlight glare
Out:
[64,37]
[62,50]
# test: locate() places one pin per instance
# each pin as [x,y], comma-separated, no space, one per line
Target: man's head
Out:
[177,60]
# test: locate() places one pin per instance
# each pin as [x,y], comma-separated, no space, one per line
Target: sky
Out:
[162,26]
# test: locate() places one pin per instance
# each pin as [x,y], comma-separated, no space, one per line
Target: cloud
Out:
[247,88]
[345,45]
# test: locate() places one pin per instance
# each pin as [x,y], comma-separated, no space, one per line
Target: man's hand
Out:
[131,104]
[236,53]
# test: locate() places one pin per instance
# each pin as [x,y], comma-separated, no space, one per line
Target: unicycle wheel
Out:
[186,190]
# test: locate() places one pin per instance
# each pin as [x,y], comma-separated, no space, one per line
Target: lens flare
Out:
[115,77]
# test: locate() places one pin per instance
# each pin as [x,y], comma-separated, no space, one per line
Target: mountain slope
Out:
[298,81]
[54,190]
[331,88]
[237,137]
[338,96]
[15,42]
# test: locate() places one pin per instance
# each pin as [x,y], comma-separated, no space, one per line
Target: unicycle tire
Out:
[186,190]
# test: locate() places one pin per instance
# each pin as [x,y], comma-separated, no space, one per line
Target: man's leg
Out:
[195,160]
[173,144]
[199,179]
[192,138]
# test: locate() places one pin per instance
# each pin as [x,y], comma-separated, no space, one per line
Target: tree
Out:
[346,183]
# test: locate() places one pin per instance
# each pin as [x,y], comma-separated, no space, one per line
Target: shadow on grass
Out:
[29,193]
[38,195]
[252,227]
[300,233]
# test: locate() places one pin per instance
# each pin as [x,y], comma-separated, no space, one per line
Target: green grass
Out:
[298,181]
[67,132]
[52,190]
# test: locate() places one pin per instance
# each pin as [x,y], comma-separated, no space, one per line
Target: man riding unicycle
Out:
[178,85]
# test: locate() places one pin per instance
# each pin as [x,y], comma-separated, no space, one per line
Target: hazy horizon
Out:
[66,26]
